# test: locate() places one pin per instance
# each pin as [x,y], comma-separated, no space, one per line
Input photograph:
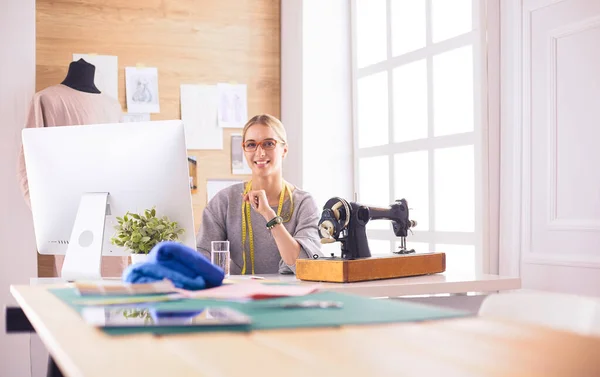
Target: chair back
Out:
[557,310]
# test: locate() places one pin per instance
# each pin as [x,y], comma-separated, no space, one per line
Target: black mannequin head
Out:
[81,77]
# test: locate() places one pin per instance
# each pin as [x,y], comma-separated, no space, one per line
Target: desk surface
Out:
[409,286]
[458,347]
[445,283]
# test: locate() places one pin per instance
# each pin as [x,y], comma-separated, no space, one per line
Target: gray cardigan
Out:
[222,220]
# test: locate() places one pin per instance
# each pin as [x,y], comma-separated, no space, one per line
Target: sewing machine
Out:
[345,222]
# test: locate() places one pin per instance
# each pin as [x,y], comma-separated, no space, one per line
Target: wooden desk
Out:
[435,284]
[459,347]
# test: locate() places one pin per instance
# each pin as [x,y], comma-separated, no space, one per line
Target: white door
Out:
[560,228]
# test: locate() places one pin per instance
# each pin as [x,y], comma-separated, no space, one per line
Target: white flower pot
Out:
[138,258]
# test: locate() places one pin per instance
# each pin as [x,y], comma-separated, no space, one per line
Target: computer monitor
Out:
[82,177]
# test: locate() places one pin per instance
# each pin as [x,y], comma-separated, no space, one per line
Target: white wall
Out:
[327,150]
[17,246]
[510,115]
[316,96]
[550,221]
[291,87]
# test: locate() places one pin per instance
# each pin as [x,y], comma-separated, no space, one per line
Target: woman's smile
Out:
[262,163]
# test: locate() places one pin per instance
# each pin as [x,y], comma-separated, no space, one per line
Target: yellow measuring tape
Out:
[247,222]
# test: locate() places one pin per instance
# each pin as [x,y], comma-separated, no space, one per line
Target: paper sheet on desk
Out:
[251,290]
[110,287]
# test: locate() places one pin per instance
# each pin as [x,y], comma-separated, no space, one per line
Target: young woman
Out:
[268,222]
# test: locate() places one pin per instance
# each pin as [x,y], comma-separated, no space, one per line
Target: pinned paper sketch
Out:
[199,116]
[233,105]
[214,186]
[238,163]
[106,75]
[193,173]
[132,117]
[141,86]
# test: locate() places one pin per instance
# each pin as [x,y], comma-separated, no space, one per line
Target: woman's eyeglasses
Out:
[267,144]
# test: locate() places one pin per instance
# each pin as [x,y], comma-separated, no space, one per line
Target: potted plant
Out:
[139,233]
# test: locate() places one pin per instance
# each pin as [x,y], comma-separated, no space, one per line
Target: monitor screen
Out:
[138,165]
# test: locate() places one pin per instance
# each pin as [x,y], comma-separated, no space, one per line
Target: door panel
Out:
[561,202]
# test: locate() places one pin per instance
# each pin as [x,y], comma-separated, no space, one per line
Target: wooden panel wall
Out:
[189,41]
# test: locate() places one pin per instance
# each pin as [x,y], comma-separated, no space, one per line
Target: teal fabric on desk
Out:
[357,310]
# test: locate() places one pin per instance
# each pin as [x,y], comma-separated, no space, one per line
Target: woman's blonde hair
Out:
[269,121]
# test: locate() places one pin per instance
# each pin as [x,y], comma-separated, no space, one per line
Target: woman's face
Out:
[262,160]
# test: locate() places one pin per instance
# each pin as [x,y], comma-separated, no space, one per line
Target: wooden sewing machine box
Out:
[340,270]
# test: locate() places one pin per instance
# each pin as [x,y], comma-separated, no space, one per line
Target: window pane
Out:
[373,110]
[379,247]
[450,18]
[410,101]
[418,247]
[459,258]
[453,91]
[411,183]
[408,25]
[454,189]
[371,35]
[374,186]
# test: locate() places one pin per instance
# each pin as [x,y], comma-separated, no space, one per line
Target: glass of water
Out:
[219,255]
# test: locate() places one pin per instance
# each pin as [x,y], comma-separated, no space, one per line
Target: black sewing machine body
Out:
[345,222]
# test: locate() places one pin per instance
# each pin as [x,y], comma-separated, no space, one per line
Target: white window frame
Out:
[485,137]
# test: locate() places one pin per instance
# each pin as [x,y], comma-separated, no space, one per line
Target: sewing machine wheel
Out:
[334,219]
[336,210]
[326,230]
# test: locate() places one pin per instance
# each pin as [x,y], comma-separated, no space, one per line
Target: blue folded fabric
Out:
[186,261]
[151,272]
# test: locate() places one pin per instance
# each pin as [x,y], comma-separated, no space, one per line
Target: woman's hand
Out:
[258,201]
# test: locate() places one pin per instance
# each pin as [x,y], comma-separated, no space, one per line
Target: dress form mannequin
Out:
[81,77]
[75,101]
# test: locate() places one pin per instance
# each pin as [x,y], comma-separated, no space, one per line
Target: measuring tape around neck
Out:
[247,222]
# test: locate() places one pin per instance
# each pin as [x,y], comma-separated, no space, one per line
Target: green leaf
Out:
[139,233]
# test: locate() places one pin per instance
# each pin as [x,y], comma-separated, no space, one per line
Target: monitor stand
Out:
[84,253]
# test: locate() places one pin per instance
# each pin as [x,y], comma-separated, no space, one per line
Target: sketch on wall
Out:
[238,163]
[141,86]
[199,116]
[133,117]
[233,105]
[193,173]
[213,186]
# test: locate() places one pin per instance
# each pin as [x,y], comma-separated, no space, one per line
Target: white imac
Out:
[82,177]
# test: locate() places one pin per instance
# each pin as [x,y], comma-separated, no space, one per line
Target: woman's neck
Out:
[272,186]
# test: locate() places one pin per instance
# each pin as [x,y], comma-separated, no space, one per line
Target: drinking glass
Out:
[219,255]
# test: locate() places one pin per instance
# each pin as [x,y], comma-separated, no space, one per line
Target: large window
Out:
[417,122]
